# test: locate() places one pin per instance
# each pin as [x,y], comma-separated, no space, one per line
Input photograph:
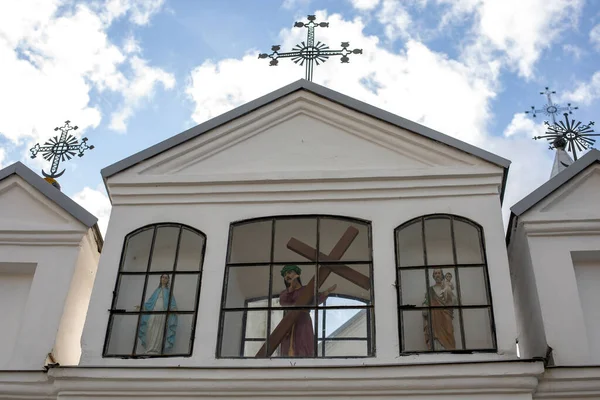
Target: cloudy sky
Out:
[131,73]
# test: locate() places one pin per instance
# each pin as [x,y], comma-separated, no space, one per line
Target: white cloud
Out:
[520,29]
[291,4]
[2,157]
[97,203]
[576,51]
[395,18]
[51,62]
[141,86]
[364,5]
[595,37]
[584,93]
[140,11]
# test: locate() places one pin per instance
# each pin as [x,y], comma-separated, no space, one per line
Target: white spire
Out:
[562,159]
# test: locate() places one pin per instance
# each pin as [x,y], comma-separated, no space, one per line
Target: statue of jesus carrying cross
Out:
[294,332]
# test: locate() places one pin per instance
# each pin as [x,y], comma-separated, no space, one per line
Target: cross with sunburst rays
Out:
[571,135]
[308,52]
[550,109]
[60,149]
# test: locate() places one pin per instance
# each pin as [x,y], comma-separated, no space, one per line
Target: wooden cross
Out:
[307,295]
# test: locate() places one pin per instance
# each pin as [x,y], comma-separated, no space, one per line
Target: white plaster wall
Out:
[67,348]
[214,220]
[531,336]
[561,309]
[43,307]
[15,282]
[587,275]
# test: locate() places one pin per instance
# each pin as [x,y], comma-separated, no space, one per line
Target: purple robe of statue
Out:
[300,341]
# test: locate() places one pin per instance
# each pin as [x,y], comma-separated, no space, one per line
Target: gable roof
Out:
[58,197]
[556,182]
[318,90]
[550,186]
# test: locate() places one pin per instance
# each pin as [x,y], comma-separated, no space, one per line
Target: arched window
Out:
[277,267]
[444,302]
[155,301]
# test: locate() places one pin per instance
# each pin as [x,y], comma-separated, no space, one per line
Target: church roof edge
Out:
[321,91]
[58,197]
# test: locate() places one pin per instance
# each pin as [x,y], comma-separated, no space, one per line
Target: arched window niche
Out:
[155,301]
[298,286]
[444,300]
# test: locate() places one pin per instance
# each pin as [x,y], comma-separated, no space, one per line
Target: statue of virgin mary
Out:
[152,326]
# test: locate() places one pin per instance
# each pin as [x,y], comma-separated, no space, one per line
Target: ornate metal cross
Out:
[550,109]
[306,297]
[570,135]
[60,149]
[308,51]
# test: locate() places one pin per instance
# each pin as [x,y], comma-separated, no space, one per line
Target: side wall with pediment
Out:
[556,255]
[40,248]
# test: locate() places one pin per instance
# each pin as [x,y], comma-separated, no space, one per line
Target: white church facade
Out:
[304,245]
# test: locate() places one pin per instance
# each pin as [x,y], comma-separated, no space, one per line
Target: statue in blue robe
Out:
[152,326]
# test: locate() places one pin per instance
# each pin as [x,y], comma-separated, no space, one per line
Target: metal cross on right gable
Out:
[550,109]
[310,52]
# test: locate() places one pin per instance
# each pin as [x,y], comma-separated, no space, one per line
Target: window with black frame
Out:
[443,286]
[298,286]
[155,301]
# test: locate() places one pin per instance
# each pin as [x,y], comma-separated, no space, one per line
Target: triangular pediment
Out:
[580,195]
[304,133]
[22,208]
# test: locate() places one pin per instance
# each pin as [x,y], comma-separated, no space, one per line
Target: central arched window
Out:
[444,298]
[298,287]
[155,301]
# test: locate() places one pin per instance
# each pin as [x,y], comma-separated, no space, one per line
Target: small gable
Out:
[581,194]
[22,207]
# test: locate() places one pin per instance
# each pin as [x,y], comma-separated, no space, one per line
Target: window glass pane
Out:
[478,329]
[473,290]
[178,340]
[122,333]
[256,324]
[300,235]
[235,325]
[298,339]
[332,230]
[410,245]
[137,252]
[288,297]
[190,251]
[251,347]
[413,324]
[185,287]
[129,292]
[413,288]
[165,246]
[251,242]
[347,280]
[468,243]
[343,323]
[445,326]
[442,287]
[246,283]
[158,292]
[345,348]
[438,241]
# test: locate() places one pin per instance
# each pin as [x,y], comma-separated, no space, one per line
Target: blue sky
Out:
[131,73]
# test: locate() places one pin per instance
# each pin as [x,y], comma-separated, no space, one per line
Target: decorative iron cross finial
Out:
[570,135]
[310,52]
[60,149]
[550,109]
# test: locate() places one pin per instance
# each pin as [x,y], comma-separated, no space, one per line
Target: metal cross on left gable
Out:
[60,149]
[308,52]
